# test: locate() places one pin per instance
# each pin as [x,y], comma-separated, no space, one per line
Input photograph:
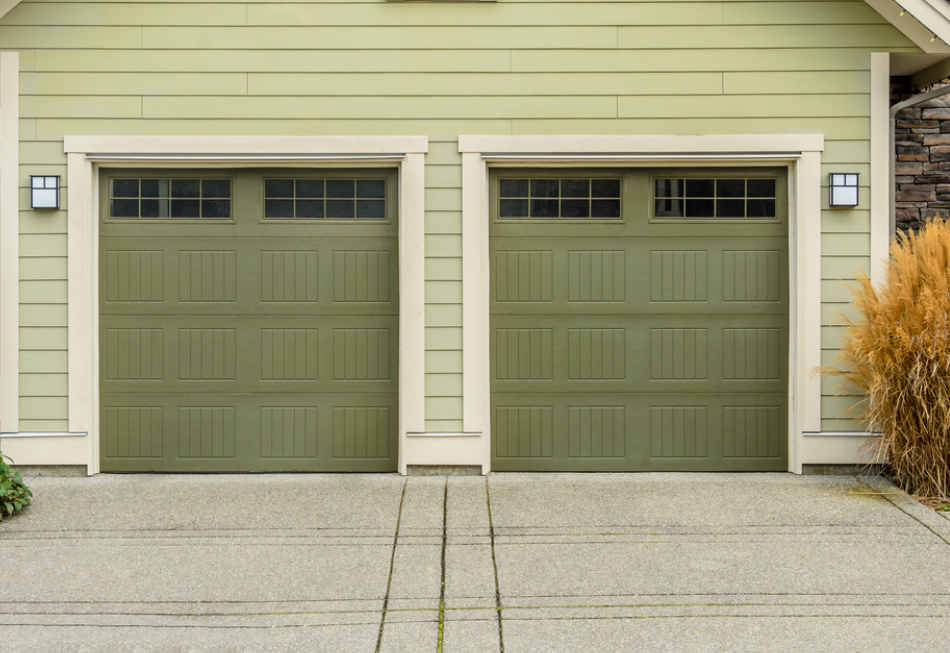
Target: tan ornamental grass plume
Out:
[897,355]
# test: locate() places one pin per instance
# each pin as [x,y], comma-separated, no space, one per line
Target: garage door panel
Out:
[252,345]
[639,344]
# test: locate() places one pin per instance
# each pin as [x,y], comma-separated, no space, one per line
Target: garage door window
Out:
[707,197]
[306,199]
[169,198]
[558,198]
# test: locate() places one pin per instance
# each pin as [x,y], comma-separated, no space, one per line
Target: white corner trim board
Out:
[85,156]
[801,153]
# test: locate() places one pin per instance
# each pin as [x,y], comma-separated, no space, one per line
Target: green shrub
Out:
[14,495]
[898,356]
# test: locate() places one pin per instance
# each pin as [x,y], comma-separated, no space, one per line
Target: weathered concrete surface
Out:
[527,562]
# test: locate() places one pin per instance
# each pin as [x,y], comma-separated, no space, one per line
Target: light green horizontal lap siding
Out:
[438,69]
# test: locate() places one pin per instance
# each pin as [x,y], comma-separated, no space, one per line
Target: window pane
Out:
[575,188]
[216,208]
[185,208]
[278,188]
[730,188]
[186,188]
[125,188]
[309,208]
[668,208]
[700,188]
[370,209]
[605,208]
[154,188]
[278,208]
[699,208]
[217,188]
[309,188]
[544,208]
[513,209]
[340,188]
[605,188]
[761,188]
[154,208]
[370,188]
[339,208]
[761,208]
[669,188]
[543,188]
[513,187]
[124,209]
[730,208]
[575,208]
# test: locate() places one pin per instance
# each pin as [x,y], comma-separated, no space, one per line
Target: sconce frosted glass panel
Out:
[843,189]
[44,192]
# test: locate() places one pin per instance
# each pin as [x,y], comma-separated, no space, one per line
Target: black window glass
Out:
[124,209]
[669,208]
[699,208]
[730,188]
[730,208]
[761,188]
[278,208]
[575,188]
[125,188]
[278,188]
[309,208]
[185,208]
[700,187]
[186,188]
[339,208]
[544,208]
[309,188]
[370,188]
[216,188]
[156,209]
[605,188]
[155,187]
[341,188]
[669,187]
[575,208]
[215,208]
[513,209]
[513,188]
[544,188]
[605,208]
[370,209]
[761,208]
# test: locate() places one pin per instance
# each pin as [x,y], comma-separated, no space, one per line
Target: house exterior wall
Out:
[440,70]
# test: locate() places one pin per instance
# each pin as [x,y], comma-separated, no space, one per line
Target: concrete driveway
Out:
[511,562]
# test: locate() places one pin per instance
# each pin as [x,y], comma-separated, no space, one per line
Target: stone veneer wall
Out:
[922,172]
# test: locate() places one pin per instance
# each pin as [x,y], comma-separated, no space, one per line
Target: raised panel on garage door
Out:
[248,320]
[647,330]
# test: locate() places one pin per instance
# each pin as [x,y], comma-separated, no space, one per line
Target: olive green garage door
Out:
[639,320]
[248,320]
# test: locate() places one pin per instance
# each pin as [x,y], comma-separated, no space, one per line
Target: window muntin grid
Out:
[558,198]
[714,198]
[164,197]
[330,198]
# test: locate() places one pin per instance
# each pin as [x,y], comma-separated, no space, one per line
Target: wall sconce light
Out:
[44,192]
[844,189]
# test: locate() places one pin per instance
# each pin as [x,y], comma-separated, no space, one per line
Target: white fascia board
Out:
[922,21]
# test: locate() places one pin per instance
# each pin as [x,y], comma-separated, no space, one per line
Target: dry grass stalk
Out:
[898,356]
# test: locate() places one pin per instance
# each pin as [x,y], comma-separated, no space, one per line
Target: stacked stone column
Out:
[922,172]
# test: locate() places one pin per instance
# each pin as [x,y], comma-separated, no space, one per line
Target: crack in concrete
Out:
[494,564]
[392,564]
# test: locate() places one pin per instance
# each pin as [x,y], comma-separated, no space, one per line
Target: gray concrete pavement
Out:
[511,563]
